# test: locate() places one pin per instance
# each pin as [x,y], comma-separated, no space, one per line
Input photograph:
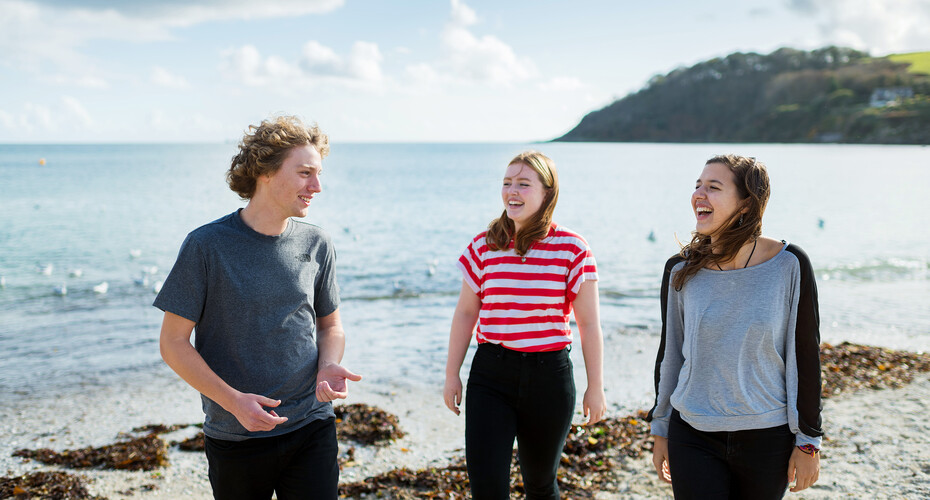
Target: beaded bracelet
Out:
[809,449]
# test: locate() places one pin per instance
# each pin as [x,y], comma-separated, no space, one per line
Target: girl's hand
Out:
[660,458]
[452,393]
[594,405]
[803,467]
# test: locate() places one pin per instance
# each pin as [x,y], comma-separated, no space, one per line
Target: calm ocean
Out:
[400,214]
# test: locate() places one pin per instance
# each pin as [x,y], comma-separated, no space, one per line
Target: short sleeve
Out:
[582,268]
[471,265]
[326,292]
[184,291]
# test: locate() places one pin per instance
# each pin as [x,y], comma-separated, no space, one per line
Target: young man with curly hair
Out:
[259,288]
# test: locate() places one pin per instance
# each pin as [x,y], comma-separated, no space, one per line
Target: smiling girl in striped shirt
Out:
[522,278]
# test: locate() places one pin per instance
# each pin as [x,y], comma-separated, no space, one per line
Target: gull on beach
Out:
[102,287]
[61,290]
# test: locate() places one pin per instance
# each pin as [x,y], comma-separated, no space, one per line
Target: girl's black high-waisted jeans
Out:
[751,464]
[530,396]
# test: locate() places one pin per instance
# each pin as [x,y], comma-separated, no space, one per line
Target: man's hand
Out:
[803,467]
[331,382]
[248,410]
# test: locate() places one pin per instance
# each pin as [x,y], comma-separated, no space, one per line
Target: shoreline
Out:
[877,443]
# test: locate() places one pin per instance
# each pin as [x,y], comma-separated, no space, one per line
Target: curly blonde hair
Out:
[264,148]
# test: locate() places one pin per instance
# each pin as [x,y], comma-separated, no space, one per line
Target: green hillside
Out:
[824,95]
[919,61]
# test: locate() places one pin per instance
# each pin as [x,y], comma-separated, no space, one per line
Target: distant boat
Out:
[61,290]
[41,161]
[652,236]
[820,223]
[101,288]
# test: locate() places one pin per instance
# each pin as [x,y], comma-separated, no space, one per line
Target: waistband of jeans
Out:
[503,351]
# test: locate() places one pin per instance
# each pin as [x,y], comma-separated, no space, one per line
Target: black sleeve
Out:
[663,302]
[807,349]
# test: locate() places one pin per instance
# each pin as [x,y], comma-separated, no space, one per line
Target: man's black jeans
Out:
[298,465]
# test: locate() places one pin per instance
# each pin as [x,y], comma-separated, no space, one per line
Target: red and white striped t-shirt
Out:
[525,303]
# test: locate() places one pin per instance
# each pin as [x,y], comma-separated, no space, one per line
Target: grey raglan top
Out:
[740,349]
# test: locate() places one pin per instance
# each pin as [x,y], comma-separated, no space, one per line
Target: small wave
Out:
[879,270]
[401,295]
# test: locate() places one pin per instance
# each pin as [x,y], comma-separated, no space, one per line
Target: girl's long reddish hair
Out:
[502,230]
[752,183]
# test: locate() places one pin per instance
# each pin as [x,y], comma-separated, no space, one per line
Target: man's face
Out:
[289,190]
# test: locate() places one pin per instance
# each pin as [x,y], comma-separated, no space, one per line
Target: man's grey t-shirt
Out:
[255,300]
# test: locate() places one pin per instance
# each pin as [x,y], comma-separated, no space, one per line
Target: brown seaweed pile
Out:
[191,444]
[590,455]
[45,485]
[366,424]
[143,453]
[848,367]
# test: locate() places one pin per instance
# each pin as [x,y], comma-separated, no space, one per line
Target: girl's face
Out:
[715,199]
[523,193]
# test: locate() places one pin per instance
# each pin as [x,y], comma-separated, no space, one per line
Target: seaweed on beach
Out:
[143,453]
[160,428]
[588,459]
[45,485]
[191,444]
[366,424]
[450,482]
[848,367]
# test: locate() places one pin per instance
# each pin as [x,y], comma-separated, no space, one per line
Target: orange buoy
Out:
[41,161]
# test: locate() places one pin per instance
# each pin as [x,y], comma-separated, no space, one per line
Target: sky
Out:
[92,71]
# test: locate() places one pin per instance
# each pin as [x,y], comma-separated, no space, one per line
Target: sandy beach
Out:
[878,443]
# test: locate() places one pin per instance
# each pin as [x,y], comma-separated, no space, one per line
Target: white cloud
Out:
[469,58]
[189,12]
[6,119]
[317,64]
[85,81]
[76,111]
[39,35]
[562,84]
[164,78]
[65,114]
[878,27]
[463,15]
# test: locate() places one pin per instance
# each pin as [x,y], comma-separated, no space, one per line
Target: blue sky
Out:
[370,70]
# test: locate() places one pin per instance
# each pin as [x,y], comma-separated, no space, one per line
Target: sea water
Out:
[401,214]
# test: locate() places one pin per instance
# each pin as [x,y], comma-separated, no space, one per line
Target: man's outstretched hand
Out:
[331,382]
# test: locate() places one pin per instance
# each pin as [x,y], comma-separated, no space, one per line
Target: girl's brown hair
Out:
[752,183]
[502,230]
